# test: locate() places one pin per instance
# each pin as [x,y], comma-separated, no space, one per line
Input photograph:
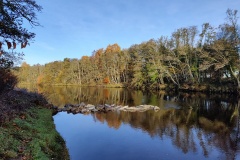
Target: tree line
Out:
[191,59]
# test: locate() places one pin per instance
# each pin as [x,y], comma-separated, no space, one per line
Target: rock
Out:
[89,105]
[64,109]
[108,109]
[145,107]
[67,105]
[142,110]
[132,109]
[76,105]
[100,108]
[54,107]
[156,108]
[122,108]
[84,110]
[82,104]
[107,105]
[73,109]
[94,110]
[115,108]
[91,108]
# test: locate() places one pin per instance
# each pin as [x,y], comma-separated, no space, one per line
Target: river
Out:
[187,126]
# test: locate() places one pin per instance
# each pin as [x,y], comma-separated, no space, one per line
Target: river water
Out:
[187,126]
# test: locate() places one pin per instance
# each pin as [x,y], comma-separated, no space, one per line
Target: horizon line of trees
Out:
[210,56]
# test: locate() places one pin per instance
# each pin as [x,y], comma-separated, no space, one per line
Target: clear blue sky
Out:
[75,28]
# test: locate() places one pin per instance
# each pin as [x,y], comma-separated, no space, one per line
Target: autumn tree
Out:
[188,59]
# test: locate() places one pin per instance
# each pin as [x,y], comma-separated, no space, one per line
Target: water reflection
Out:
[206,126]
[199,129]
[60,96]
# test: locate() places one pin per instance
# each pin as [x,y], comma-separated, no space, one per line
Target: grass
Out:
[32,135]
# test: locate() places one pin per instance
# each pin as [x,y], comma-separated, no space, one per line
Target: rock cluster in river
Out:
[88,108]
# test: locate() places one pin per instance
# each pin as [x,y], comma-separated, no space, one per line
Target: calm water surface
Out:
[188,126]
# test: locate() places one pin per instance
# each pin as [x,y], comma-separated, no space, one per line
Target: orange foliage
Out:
[25,65]
[115,48]
[85,57]
[113,121]
[100,117]
[106,80]
[106,93]
[40,79]
[99,52]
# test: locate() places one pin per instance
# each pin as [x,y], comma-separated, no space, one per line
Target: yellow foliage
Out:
[40,79]
[115,48]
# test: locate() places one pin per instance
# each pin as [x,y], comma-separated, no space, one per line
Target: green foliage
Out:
[32,136]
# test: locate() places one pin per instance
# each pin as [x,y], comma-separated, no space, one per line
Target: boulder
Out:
[131,109]
[107,109]
[94,110]
[147,107]
[73,109]
[82,104]
[84,111]
[67,105]
[89,105]
[123,108]
[107,105]
[156,108]
[115,108]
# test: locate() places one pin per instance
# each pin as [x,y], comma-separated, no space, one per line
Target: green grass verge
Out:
[32,136]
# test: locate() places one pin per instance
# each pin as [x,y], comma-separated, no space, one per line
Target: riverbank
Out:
[27,130]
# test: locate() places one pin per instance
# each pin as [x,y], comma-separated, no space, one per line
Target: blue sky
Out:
[78,27]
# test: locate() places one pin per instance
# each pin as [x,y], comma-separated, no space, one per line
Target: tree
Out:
[221,54]
[13,13]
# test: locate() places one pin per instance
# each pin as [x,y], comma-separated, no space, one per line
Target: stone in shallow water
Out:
[83,108]
[122,108]
[107,105]
[82,104]
[156,108]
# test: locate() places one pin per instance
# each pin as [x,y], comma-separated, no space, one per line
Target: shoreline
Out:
[30,132]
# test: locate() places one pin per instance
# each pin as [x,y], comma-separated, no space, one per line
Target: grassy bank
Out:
[30,133]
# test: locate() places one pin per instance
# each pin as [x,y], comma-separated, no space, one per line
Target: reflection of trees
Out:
[60,96]
[200,120]
[112,120]
[192,130]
